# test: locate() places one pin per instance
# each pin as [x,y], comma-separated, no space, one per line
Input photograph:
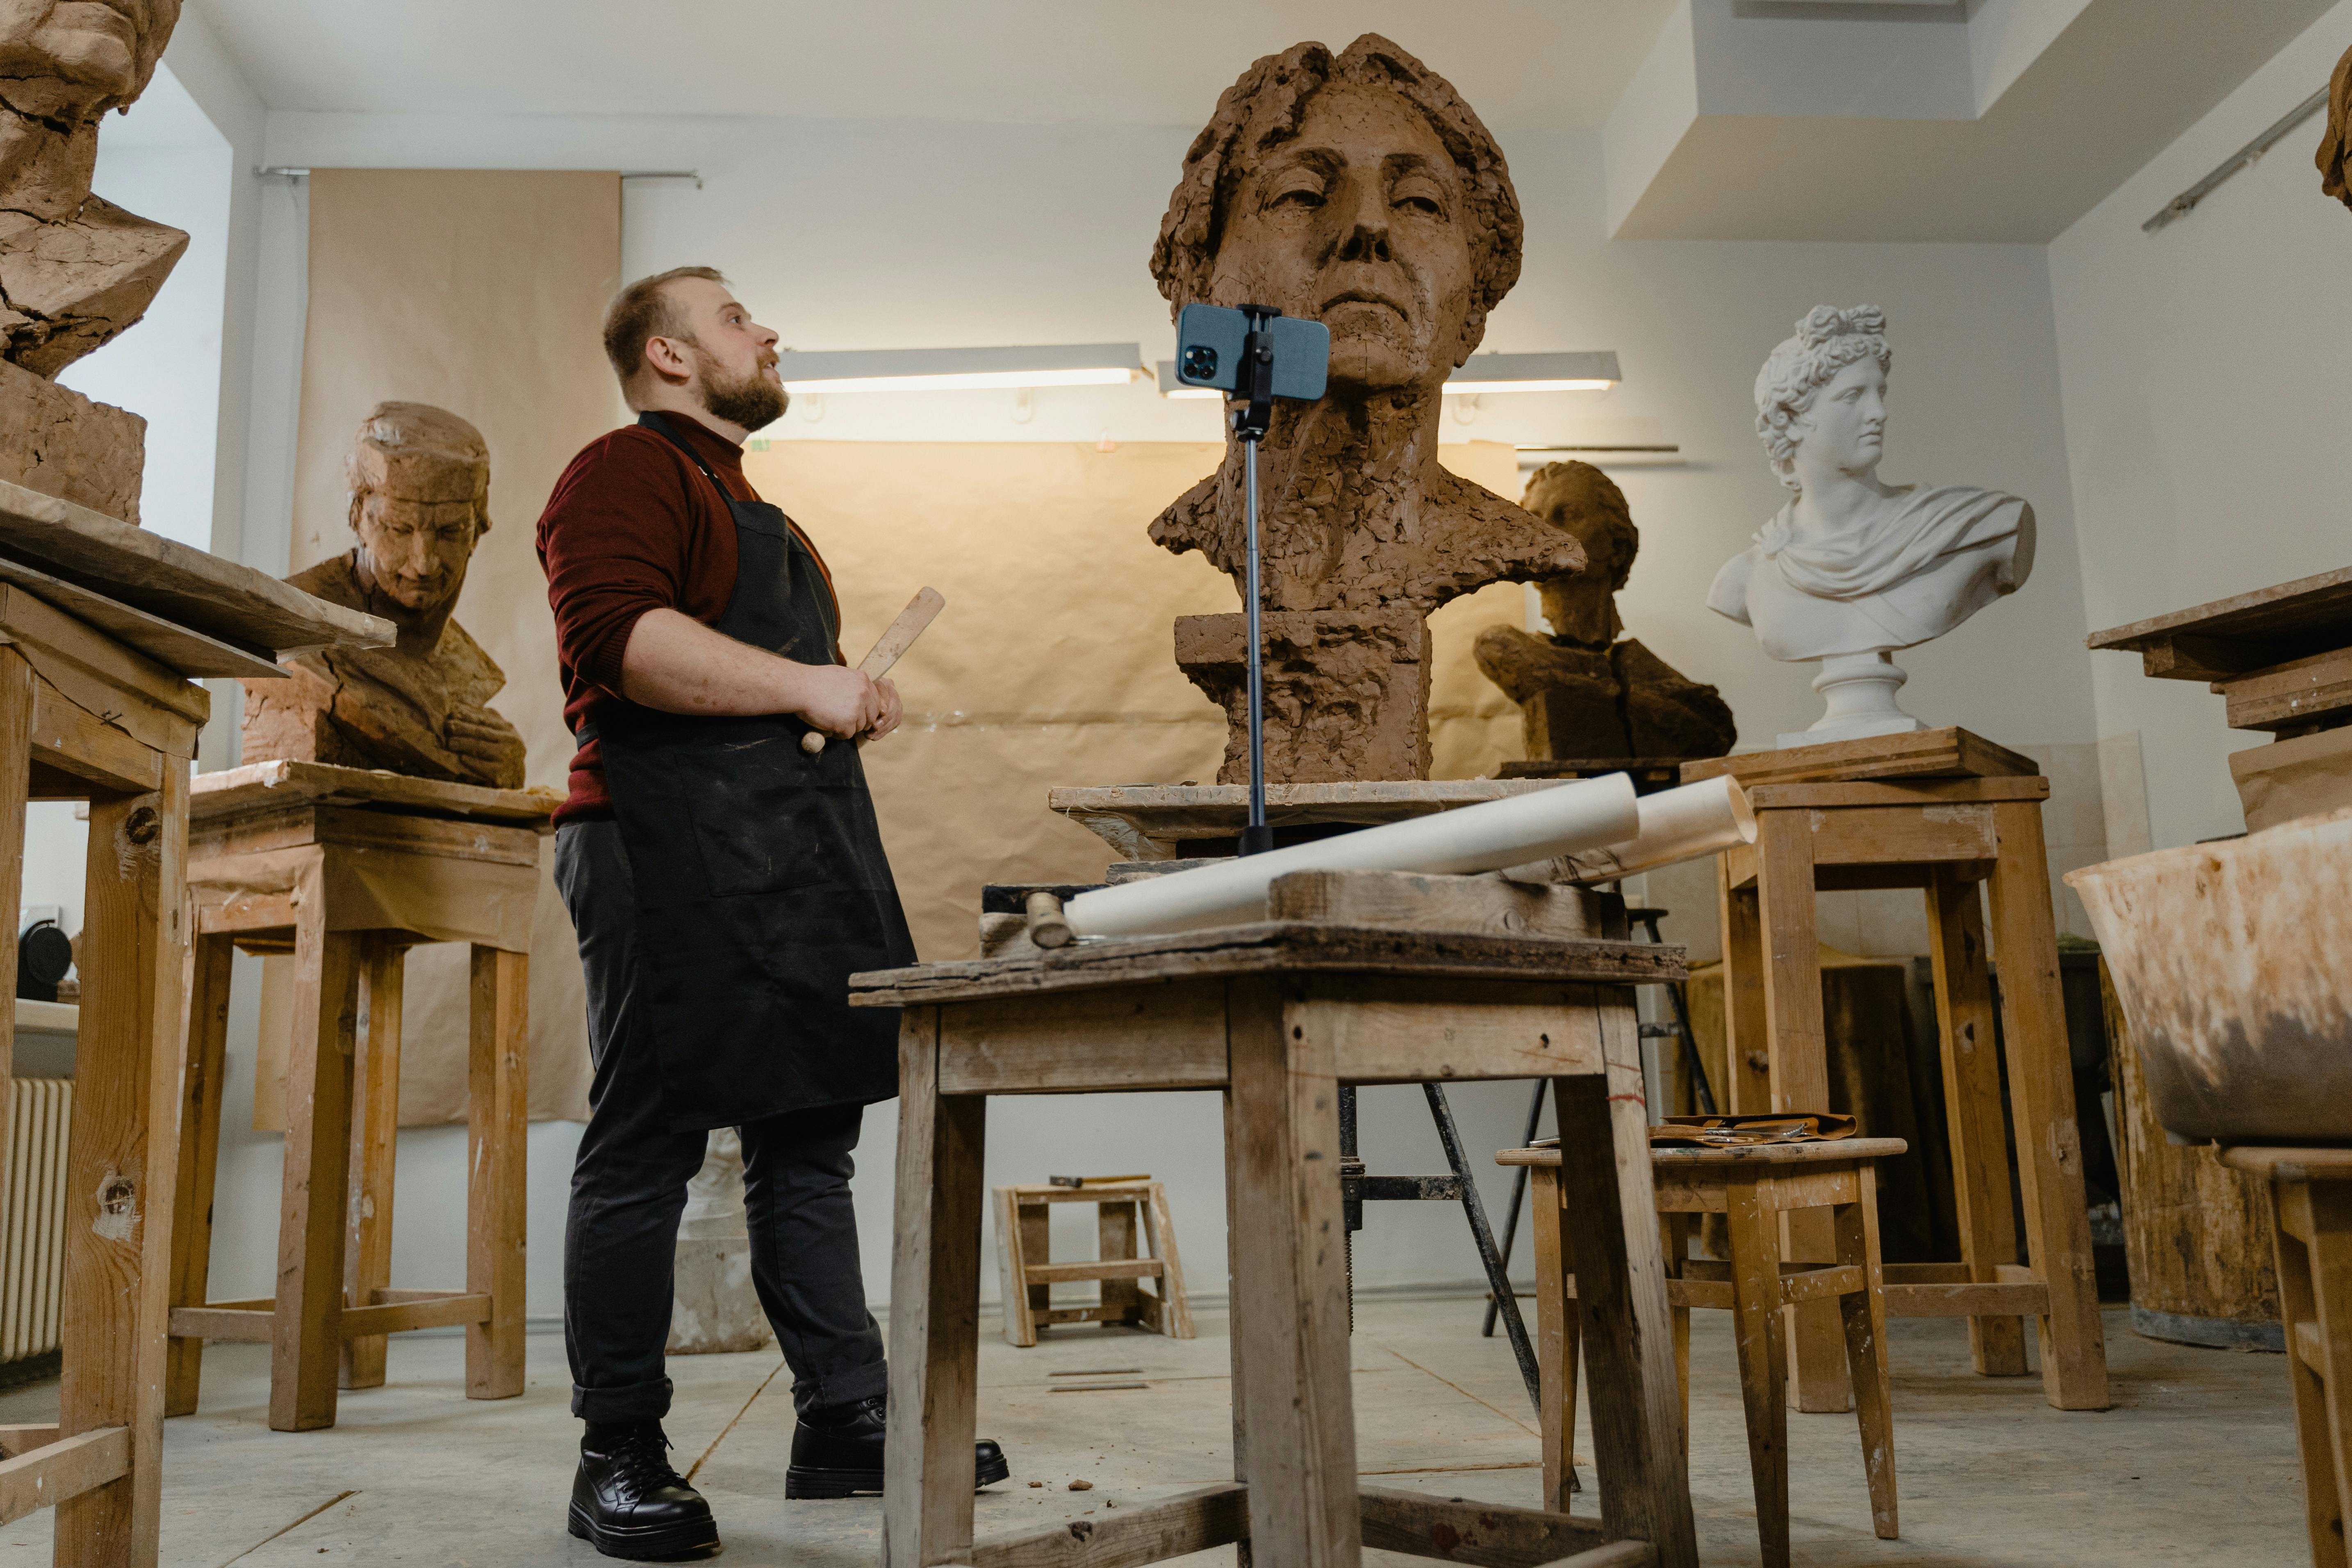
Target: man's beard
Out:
[755,402]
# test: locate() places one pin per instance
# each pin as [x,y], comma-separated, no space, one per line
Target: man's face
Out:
[417,550]
[1358,222]
[64,55]
[734,357]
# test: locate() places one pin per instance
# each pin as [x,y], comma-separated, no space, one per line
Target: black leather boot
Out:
[627,1501]
[838,1452]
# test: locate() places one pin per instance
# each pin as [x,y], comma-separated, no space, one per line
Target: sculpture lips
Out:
[1363,297]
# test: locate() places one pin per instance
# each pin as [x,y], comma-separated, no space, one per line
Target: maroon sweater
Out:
[633,527]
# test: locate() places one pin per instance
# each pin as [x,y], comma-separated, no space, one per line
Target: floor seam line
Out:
[339,1497]
[739,1415]
[1464,1393]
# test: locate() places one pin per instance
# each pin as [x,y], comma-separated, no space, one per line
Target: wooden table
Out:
[95,704]
[2313,1189]
[346,869]
[1942,811]
[1276,1016]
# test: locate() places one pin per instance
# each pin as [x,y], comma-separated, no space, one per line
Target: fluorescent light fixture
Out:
[1484,374]
[963,369]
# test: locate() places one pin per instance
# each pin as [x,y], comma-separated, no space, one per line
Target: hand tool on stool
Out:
[921,611]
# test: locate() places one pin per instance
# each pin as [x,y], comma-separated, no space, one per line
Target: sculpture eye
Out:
[1307,197]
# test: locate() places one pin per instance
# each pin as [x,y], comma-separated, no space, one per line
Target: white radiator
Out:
[32,1217]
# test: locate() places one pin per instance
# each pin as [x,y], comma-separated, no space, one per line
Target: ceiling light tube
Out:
[961,370]
[1484,374]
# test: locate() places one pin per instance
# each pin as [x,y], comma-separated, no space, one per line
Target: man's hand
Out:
[840,701]
[489,748]
[892,709]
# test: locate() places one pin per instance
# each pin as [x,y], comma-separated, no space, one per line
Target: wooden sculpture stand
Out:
[2313,1189]
[347,889]
[1941,810]
[1135,1241]
[1276,1016]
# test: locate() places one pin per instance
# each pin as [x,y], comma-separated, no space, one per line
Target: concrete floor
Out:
[2194,1464]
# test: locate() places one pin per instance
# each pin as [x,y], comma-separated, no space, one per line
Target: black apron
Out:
[761,881]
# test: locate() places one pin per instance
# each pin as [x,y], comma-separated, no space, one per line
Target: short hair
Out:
[2335,159]
[1603,523]
[641,312]
[1267,104]
[419,453]
[1827,340]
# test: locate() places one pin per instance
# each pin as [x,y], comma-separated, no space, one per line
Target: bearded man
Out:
[725,884]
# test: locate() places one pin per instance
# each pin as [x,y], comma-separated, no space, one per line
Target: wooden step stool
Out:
[346,870]
[1751,1187]
[1942,811]
[2314,1193]
[1137,1242]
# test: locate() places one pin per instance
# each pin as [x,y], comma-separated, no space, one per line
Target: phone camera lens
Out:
[1200,362]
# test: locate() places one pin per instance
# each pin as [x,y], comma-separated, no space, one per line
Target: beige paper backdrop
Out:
[483,293]
[1054,660]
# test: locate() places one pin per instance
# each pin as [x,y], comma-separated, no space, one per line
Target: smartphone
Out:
[1208,351]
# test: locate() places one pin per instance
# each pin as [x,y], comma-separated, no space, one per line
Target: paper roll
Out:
[1539,824]
[1678,824]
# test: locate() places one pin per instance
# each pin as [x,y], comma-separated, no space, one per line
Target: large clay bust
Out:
[1853,568]
[74,270]
[420,482]
[1356,190]
[1587,692]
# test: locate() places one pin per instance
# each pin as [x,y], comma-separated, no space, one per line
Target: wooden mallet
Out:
[921,611]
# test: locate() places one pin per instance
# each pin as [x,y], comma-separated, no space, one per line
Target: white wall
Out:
[2204,395]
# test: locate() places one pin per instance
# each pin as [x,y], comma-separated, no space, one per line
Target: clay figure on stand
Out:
[1358,189]
[420,483]
[1853,568]
[1587,692]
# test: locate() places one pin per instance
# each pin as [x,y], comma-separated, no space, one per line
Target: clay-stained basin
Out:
[2233,965]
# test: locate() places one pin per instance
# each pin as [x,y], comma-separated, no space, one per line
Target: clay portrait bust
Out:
[1587,692]
[1359,190]
[1852,568]
[2335,154]
[74,270]
[420,484]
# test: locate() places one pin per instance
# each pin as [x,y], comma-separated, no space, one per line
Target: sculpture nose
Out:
[1368,224]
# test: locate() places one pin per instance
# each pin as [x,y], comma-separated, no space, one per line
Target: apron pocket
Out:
[759,826]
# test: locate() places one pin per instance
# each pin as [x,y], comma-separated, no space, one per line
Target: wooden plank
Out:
[1612,1251]
[1747,1049]
[1489,1535]
[1557,1339]
[181,650]
[1864,1312]
[1176,1307]
[1488,904]
[143,569]
[1902,835]
[1973,1112]
[202,1074]
[2003,1299]
[2314,1271]
[306,1336]
[1172,1527]
[1118,1245]
[235,791]
[1162,1035]
[495,844]
[1271,947]
[375,1133]
[71,1468]
[1236,1220]
[1911,792]
[2291,696]
[928,1463]
[2245,631]
[74,740]
[1755,1236]
[245,1325]
[162,706]
[123,1162]
[1616,1554]
[16,773]
[1145,822]
[1106,1268]
[2042,1102]
[1290,1281]
[497,1198]
[1924,753]
[472,1309]
[23,1437]
[1012,1269]
[1386,1030]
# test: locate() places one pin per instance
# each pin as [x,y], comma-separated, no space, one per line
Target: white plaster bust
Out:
[1853,567]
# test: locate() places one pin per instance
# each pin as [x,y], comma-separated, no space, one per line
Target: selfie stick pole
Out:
[1256,383]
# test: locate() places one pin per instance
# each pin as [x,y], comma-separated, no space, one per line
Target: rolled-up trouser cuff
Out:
[632,1402]
[841,1388]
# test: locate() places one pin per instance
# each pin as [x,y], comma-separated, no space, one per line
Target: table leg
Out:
[1236,1219]
[2042,1097]
[1556,1339]
[2315,1268]
[306,1328]
[15,782]
[1865,1342]
[1746,1087]
[200,1129]
[934,1310]
[1972,1109]
[122,1163]
[1290,1287]
[1621,1297]
[497,1195]
[1800,1082]
[1755,1295]
[375,1132]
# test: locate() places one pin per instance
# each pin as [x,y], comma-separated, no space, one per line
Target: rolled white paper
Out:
[1538,825]
[1678,824]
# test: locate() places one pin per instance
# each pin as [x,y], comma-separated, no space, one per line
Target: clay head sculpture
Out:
[74,270]
[2334,157]
[420,500]
[1359,190]
[1853,567]
[1584,503]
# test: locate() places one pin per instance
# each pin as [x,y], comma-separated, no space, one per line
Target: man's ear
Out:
[666,360]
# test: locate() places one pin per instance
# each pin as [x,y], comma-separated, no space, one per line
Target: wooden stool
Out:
[2314,1193]
[1939,810]
[1276,1016]
[1135,1242]
[341,869]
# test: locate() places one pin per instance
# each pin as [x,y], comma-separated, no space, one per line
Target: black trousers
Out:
[628,1191]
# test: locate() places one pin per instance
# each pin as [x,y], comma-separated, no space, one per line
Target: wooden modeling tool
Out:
[920,612]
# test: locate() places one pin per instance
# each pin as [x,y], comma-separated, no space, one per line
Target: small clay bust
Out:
[2335,155]
[420,484]
[1358,189]
[74,270]
[1583,693]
